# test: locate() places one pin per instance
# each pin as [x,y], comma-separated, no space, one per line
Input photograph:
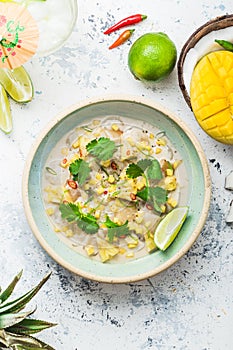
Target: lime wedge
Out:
[5,112]
[169,227]
[17,84]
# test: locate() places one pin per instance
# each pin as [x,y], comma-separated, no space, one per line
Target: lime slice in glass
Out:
[5,112]
[17,84]
[169,227]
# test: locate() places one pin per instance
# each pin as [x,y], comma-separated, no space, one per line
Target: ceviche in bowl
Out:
[102,181]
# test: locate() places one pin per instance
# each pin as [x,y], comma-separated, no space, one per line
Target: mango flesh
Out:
[211,94]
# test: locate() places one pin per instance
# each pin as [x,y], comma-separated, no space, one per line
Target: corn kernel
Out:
[86,187]
[172,202]
[76,144]
[169,172]
[132,245]
[106,163]
[122,251]
[117,221]
[163,208]
[158,150]
[97,214]
[50,211]
[69,233]
[100,190]
[152,136]
[90,250]
[170,183]
[176,164]
[141,183]
[98,176]
[130,141]
[111,179]
[56,229]
[161,142]
[64,163]
[115,127]
[112,188]
[130,255]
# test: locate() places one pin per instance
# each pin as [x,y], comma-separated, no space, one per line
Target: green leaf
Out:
[158,197]
[155,195]
[144,163]
[158,193]
[10,319]
[18,304]
[80,170]
[115,230]
[154,171]
[86,222]
[133,171]
[143,194]
[30,326]
[103,148]
[69,211]
[8,291]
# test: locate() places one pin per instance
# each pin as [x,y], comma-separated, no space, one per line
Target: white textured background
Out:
[188,307]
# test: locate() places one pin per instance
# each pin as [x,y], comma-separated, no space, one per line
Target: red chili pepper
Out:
[126,22]
[122,38]
[72,184]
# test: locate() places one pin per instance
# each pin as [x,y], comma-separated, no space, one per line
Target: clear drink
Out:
[56,20]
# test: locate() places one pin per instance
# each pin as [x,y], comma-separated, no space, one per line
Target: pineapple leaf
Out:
[30,326]
[18,304]
[7,292]
[22,342]
[8,320]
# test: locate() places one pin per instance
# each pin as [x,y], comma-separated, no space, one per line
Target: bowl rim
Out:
[126,98]
[214,24]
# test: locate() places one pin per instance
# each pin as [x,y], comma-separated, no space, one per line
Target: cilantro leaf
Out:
[103,148]
[88,224]
[159,193]
[72,213]
[133,171]
[69,211]
[80,170]
[115,230]
[144,194]
[154,170]
[155,195]
[144,163]
[158,196]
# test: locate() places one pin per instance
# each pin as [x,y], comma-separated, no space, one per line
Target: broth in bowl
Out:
[107,184]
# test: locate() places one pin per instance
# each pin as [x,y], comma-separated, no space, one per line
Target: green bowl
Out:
[198,189]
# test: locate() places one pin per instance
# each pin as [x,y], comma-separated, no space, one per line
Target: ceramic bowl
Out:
[197,192]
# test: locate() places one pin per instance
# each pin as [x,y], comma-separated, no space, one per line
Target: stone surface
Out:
[187,307]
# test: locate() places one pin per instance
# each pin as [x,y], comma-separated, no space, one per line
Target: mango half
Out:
[211,94]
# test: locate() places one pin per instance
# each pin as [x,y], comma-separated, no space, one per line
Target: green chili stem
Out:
[225,44]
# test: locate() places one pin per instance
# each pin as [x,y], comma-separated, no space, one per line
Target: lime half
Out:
[5,112]
[169,227]
[17,84]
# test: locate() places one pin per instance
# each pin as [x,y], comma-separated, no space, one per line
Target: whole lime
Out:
[152,57]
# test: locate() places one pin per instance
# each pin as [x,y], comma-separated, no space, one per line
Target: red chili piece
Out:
[72,184]
[133,196]
[122,38]
[113,165]
[126,22]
